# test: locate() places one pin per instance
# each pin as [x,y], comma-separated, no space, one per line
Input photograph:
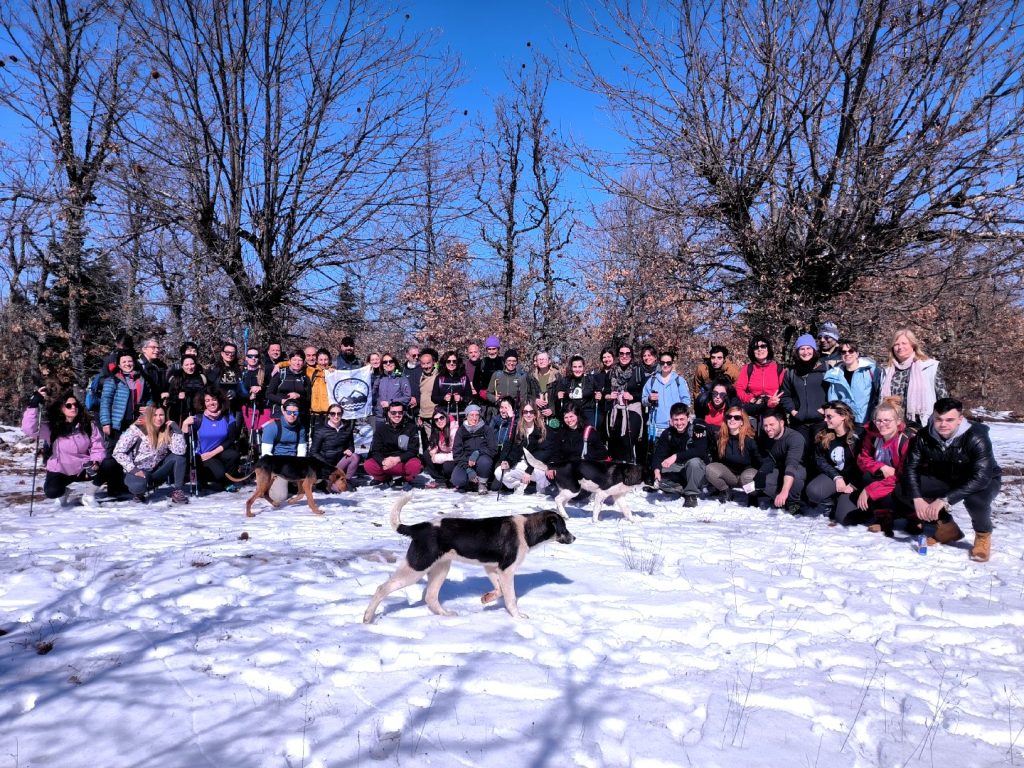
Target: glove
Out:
[35,400]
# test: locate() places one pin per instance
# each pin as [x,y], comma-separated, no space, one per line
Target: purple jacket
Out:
[70,453]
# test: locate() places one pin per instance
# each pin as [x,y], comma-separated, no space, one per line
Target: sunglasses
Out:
[441,417]
[387,362]
[848,351]
[69,406]
[229,352]
[528,410]
[625,354]
[666,362]
[760,345]
[451,362]
[334,413]
[291,412]
[252,356]
[733,417]
[396,413]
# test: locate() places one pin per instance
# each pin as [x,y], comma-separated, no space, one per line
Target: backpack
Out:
[94,391]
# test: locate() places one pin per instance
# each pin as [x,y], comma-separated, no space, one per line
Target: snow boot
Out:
[982,549]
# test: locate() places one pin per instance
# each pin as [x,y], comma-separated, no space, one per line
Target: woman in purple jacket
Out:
[73,446]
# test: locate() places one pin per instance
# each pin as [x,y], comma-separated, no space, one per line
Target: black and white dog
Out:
[621,479]
[499,544]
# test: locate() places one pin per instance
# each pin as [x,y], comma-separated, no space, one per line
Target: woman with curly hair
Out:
[72,445]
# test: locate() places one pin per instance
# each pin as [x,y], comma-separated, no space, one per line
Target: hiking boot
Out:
[946,532]
[793,508]
[982,549]
[406,487]
[178,496]
[690,500]
[481,486]
[230,488]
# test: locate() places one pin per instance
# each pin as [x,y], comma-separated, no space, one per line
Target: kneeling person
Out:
[395,448]
[681,456]
[284,437]
[949,461]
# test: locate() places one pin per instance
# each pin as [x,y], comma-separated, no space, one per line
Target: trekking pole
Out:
[35,470]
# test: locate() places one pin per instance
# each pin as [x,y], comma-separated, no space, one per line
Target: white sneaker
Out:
[519,490]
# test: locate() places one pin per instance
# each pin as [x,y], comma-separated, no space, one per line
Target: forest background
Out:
[274,170]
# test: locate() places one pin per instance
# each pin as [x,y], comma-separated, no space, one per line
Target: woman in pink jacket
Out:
[72,443]
[882,453]
[760,381]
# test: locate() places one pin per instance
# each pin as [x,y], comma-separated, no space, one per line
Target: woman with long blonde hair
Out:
[913,377]
[150,450]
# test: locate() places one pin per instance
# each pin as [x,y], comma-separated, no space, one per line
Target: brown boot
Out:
[982,548]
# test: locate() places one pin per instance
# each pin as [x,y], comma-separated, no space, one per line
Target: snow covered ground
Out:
[150,635]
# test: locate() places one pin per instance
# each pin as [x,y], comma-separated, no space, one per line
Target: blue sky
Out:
[489,37]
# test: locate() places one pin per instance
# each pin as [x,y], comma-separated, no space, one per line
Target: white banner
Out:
[351,390]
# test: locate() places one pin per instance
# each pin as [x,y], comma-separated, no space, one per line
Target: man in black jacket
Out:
[681,455]
[949,461]
[394,452]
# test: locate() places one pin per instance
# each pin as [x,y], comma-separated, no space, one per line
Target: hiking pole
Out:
[35,471]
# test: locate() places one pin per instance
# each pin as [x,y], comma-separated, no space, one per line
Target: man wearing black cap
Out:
[509,382]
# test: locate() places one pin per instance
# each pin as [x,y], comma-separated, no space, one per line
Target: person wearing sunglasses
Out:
[713,402]
[255,412]
[836,448]
[760,381]
[452,387]
[72,446]
[663,390]
[394,452]
[441,449]
[392,387]
[624,404]
[736,456]
[856,381]
[829,343]
[515,472]
[334,445]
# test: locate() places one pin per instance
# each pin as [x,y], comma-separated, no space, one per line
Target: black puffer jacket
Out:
[966,461]
[330,444]
[689,444]
[402,441]
[481,440]
[567,445]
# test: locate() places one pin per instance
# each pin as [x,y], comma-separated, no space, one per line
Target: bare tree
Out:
[287,126]
[814,143]
[69,81]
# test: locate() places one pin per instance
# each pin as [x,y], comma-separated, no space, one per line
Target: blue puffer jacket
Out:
[121,400]
[861,393]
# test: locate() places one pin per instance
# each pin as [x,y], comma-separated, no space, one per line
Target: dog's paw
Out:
[521,615]
[250,514]
[490,597]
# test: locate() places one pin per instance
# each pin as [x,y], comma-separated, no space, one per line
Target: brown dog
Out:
[295,469]
[499,544]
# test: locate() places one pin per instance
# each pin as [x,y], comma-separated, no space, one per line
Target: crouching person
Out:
[334,446]
[681,456]
[950,461]
[395,449]
[72,446]
[476,445]
[151,450]
[782,476]
[515,472]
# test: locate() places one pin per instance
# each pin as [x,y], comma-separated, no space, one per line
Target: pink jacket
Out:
[71,453]
[897,448]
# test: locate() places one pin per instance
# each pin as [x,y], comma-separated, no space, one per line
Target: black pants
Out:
[979,505]
[110,473]
[216,468]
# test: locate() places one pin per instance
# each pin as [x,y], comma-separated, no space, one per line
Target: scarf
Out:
[915,402]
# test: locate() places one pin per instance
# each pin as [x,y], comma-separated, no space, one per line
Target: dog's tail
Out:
[533,461]
[396,510]
[242,479]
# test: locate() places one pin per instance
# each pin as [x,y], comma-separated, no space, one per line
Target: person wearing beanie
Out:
[804,394]
[509,382]
[486,367]
[828,344]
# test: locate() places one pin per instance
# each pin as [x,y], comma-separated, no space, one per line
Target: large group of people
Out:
[832,433]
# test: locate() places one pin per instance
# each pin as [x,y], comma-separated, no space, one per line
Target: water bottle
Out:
[922,544]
